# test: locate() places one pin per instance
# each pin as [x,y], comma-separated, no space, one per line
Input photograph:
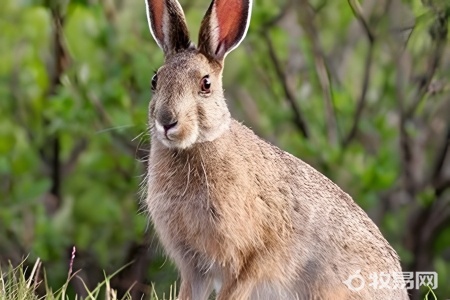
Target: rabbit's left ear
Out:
[168,25]
[224,27]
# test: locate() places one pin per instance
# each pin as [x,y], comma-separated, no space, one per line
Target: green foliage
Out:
[95,111]
[16,284]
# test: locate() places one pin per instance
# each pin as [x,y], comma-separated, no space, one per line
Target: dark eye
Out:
[206,85]
[154,81]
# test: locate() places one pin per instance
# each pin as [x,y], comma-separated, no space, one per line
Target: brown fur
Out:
[233,211]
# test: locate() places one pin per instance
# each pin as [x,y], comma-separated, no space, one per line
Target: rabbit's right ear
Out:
[168,25]
[224,27]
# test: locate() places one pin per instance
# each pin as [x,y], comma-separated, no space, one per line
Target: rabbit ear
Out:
[168,25]
[224,27]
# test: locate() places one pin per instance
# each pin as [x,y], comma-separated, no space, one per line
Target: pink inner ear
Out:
[229,18]
[157,11]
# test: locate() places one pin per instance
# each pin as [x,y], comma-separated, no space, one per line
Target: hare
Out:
[236,214]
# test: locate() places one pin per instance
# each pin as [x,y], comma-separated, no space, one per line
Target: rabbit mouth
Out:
[176,136]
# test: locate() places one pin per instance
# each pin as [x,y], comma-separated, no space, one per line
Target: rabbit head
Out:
[188,104]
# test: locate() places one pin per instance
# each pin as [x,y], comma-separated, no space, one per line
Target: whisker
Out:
[188,177]
[206,178]
[138,136]
[114,128]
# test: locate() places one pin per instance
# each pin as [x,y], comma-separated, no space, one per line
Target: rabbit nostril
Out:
[172,125]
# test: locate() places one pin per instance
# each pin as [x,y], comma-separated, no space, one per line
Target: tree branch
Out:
[438,182]
[306,18]
[368,64]
[51,150]
[439,36]
[70,164]
[140,154]
[299,120]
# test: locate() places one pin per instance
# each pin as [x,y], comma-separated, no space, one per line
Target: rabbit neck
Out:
[199,154]
[188,173]
[210,133]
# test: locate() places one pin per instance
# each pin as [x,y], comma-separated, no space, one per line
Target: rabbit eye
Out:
[154,81]
[206,85]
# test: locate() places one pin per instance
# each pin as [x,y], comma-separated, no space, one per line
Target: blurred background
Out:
[358,89]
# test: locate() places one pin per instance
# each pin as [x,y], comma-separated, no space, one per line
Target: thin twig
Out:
[367,67]
[75,154]
[274,21]
[438,183]
[357,11]
[299,120]
[439,36]
[51,152]
[140,154]
[306,18]
[405,142]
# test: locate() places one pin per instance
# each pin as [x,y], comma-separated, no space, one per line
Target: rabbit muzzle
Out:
[174,131]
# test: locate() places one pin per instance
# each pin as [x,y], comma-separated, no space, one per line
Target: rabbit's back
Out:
[242,205]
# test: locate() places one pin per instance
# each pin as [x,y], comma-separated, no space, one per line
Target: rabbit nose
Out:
[167,119]
[167,127]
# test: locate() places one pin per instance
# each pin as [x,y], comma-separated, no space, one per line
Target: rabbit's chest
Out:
[207,206]
[182,209]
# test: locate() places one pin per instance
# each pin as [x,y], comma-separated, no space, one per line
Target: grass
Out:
[15,285]
[432,294]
